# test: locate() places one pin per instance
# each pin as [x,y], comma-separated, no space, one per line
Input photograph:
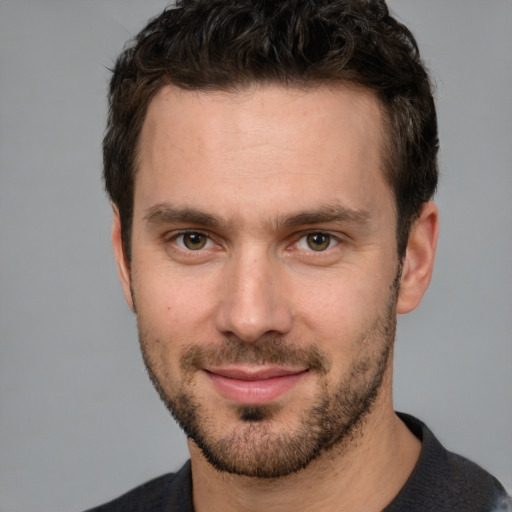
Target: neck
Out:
[363,474]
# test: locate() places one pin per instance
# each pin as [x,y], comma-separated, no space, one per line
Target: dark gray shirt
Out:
[441,481]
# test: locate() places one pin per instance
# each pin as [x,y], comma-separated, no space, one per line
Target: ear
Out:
[419,257]
[123,268]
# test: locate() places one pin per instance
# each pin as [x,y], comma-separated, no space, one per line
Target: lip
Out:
[254,386]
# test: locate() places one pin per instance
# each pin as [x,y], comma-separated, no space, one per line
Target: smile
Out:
[254,387]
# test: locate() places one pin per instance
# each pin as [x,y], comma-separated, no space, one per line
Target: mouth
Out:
[254,386]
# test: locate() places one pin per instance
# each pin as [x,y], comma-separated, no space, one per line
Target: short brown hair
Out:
[225,45]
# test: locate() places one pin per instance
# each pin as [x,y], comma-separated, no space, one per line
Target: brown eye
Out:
[318,241]
[194,241]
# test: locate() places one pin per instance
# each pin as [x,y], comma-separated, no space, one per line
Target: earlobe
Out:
[122,265]
[419,258]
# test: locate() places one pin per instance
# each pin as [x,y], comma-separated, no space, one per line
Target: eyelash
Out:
[333,241]
[177,236]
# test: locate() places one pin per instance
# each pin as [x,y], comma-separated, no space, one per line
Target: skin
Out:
[249,166]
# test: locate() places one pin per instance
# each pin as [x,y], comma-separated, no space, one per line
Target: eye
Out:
[317,241]
[192,241]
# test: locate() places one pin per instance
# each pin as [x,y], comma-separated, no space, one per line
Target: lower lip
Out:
[254,392]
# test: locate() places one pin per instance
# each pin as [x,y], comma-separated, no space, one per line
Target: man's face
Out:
[264,271]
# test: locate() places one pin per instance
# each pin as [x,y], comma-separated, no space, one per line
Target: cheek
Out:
[337,302]
[170,305]
[341,314]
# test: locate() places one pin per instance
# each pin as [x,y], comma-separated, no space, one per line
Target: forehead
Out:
[259,140]
[259,111]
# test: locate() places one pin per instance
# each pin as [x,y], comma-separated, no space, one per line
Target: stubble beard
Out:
[256,446]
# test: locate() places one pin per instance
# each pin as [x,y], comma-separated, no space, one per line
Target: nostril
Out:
[252,322]
[250,302]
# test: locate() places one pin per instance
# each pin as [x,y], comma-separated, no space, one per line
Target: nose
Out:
[252,300]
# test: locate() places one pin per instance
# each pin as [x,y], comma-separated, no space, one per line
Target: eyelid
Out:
[175,235]
[335,240]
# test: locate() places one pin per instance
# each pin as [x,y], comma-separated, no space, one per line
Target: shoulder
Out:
[445,481]
[171,491]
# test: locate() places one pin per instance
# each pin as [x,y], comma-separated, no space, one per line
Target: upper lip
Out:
[252,374]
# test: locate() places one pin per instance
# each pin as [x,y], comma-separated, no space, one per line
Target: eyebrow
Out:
[325,214]
[165,213]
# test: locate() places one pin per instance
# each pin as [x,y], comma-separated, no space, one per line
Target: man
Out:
[271,166]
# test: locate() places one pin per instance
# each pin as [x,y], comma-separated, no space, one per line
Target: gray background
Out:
[79,420]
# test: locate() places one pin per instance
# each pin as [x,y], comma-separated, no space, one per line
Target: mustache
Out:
[268,350]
